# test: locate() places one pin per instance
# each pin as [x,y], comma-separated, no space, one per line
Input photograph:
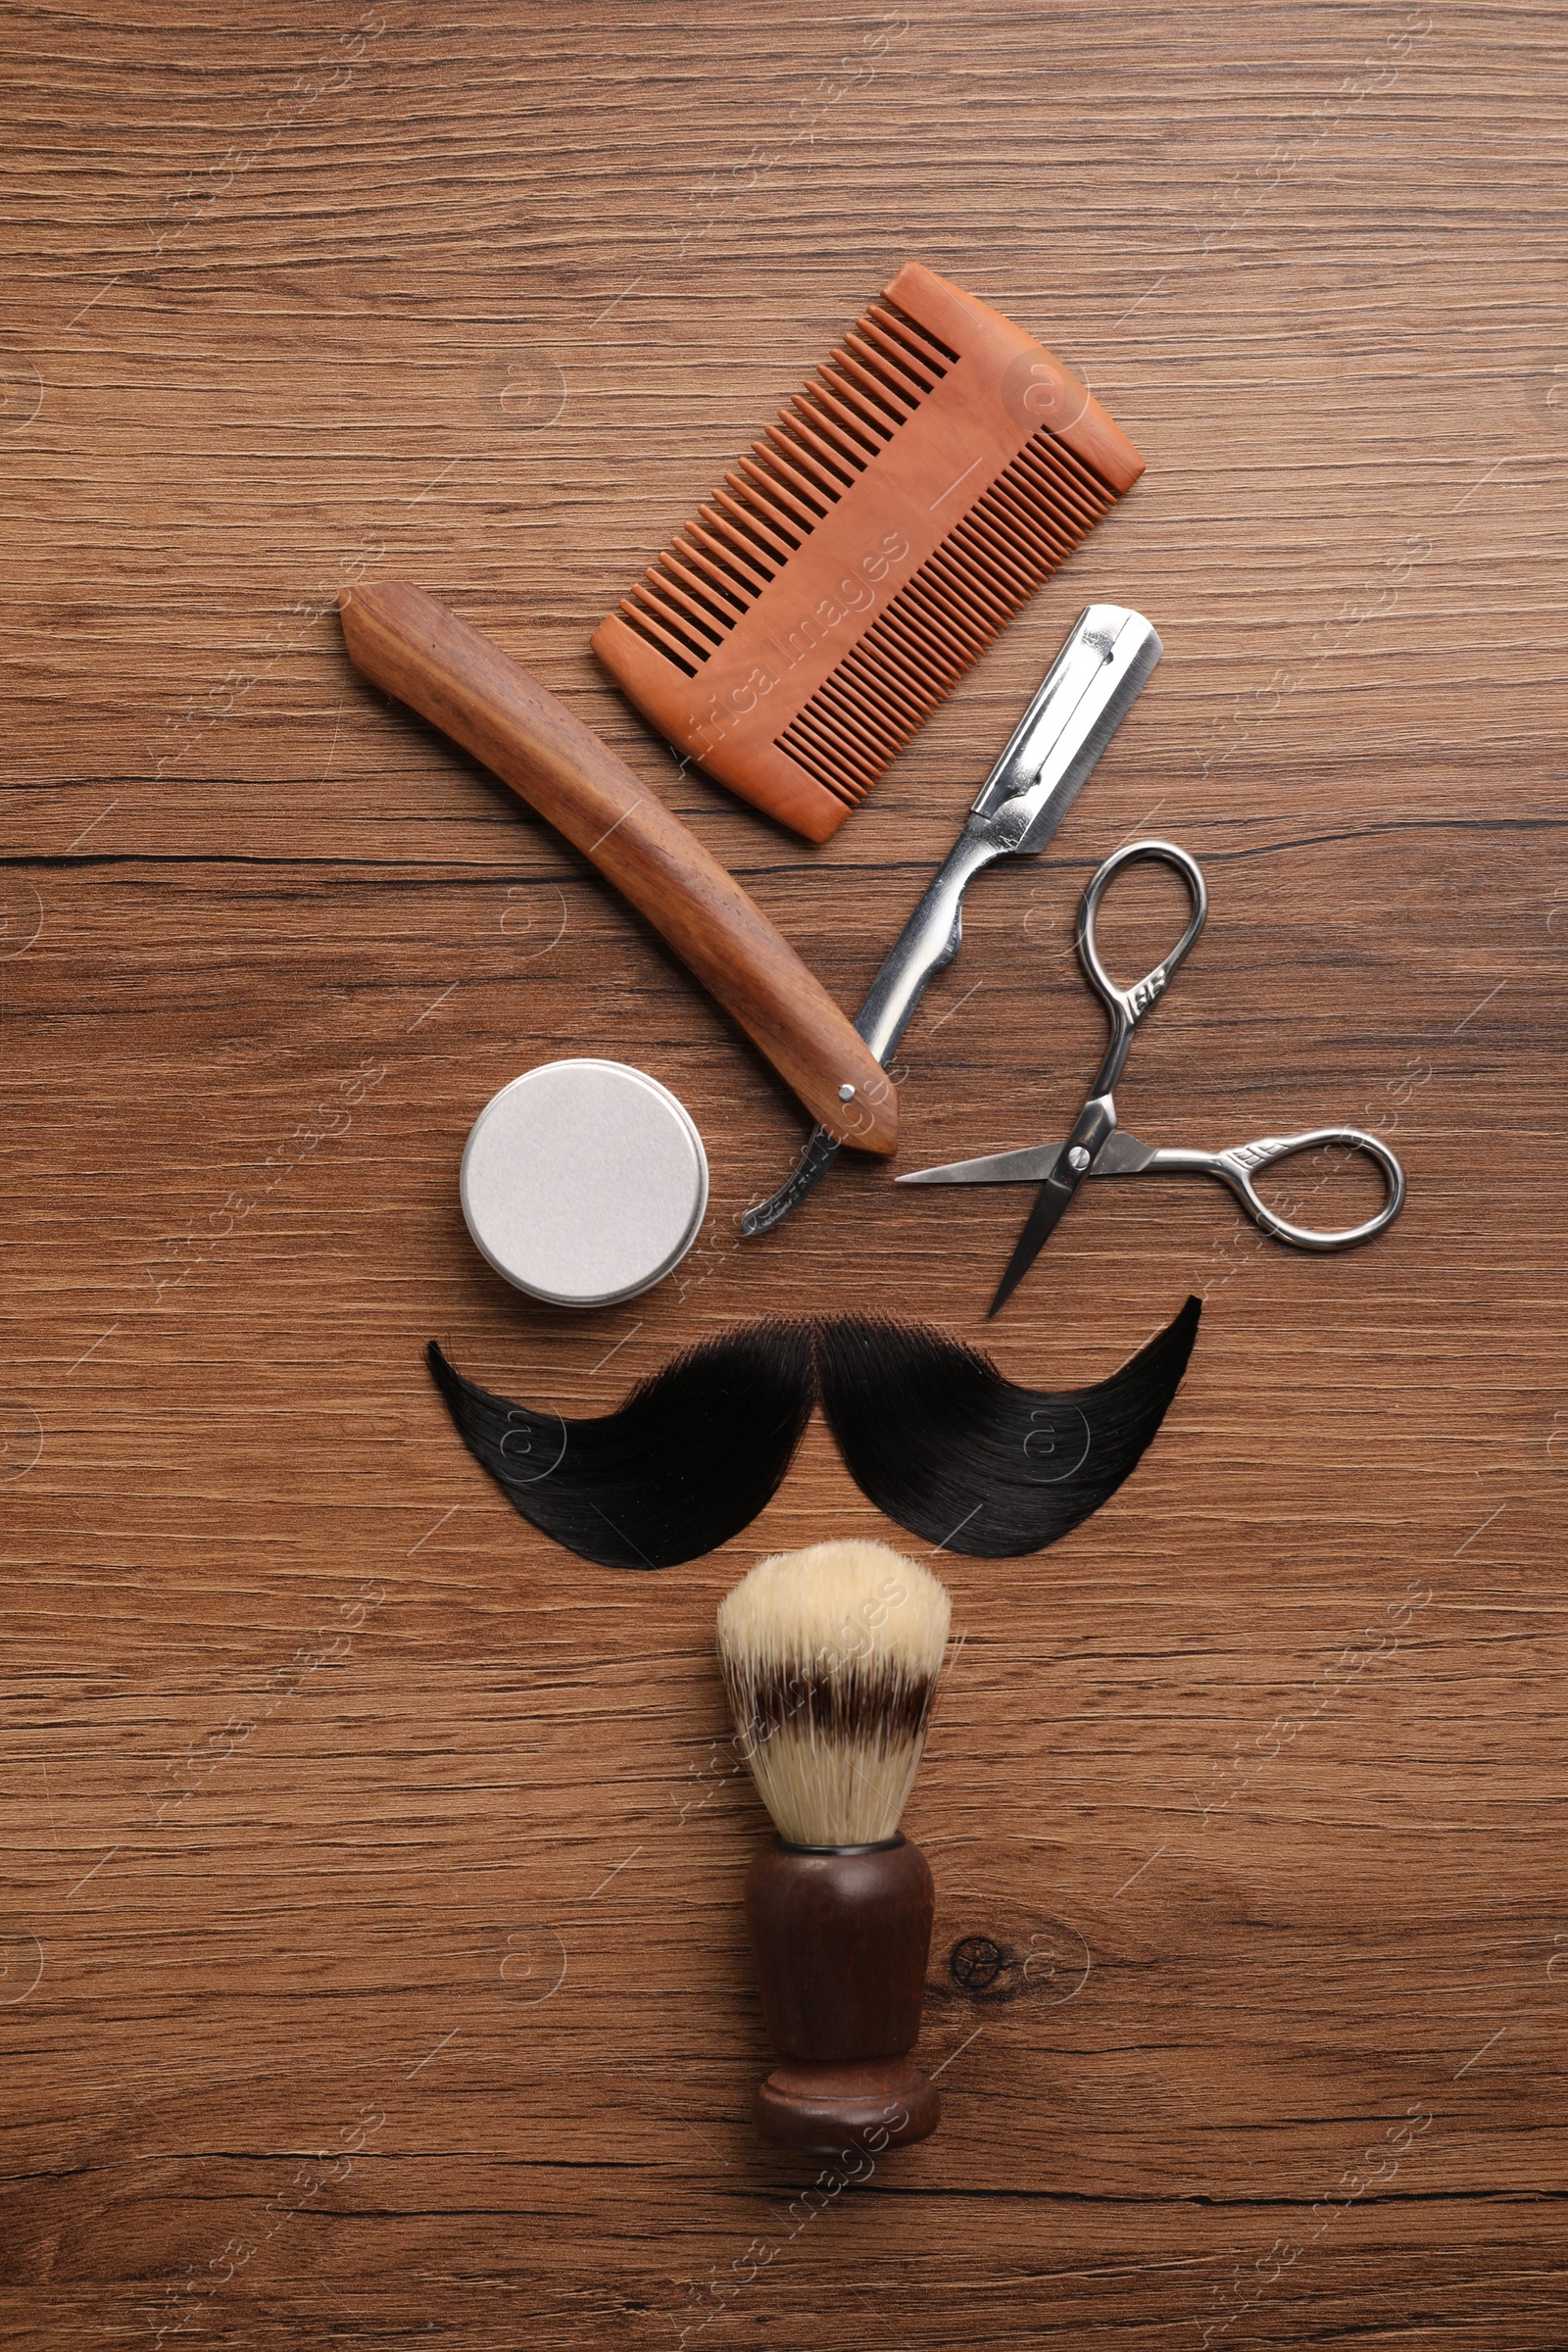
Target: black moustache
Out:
[932,1434]
[689,1459]
[929,1430]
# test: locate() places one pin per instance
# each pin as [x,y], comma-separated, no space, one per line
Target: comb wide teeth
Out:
[711,574]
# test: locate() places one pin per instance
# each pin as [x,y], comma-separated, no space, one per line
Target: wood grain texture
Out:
[387,1984]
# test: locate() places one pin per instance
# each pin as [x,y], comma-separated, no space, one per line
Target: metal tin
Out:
[584,1182]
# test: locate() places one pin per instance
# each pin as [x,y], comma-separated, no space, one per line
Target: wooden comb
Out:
[905,507]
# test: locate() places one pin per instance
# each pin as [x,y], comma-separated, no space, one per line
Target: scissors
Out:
[1098,1146]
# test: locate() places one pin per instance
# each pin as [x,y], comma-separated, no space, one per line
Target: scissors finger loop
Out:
[1132,1004]
[1239,1165]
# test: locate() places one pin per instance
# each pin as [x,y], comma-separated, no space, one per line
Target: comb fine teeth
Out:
[832,592]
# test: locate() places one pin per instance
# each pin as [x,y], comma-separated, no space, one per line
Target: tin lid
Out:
[584,1182]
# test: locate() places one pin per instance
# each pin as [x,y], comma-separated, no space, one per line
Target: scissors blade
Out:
[1051,1200]
[1029,1166]
[1120,1155]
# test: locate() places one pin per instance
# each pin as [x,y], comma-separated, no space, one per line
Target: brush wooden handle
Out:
[841,1941]
[410,646]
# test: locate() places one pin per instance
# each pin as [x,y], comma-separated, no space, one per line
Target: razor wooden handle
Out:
[410,646]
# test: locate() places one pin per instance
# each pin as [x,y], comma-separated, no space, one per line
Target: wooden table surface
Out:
[388,1987]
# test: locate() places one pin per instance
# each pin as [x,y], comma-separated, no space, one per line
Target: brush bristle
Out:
[830,1659]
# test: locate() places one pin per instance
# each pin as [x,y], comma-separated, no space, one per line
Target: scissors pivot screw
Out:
[1077,1159]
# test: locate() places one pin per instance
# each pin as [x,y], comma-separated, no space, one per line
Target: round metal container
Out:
[584,1182]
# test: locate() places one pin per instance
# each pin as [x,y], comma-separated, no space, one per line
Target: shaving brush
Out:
[830,1659]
